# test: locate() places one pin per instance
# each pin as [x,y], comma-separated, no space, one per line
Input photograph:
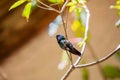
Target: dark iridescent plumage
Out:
[66,45]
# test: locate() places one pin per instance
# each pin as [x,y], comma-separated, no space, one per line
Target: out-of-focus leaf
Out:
[53,26]
[119,12]
[72,8]
[118,2]
[16,4]
[117,6]
[85,74]
[57,1]
[81,1]
[27,10]
[64,60]
[34,2]
[83,17]
[70,4]
[117,24]
[78,28]
[111,71]
[118,55]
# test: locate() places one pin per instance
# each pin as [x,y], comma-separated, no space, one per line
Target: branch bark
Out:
[100,60]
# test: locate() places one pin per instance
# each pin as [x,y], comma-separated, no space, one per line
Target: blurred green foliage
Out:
[117,55]
[111,71]
[85,74]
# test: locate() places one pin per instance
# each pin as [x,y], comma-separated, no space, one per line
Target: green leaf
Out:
[111,71]
[78,28]
[81,1]
[118,55]
[85,74]
[70,4]
[72,8]
[118,2]
[57,1]
[16,4]
[117,6]
[27,10]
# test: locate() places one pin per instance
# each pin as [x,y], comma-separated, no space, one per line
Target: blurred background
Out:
[27,52]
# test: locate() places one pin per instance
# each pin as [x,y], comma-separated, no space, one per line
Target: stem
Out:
[86,33]
[100,60]
[64,26]
[47,7]
[71,68]
[64,5]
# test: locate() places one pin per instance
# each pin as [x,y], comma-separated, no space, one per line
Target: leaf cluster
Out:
[27,9]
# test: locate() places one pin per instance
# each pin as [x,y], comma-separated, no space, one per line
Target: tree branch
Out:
[47,7]
[100,60]
[72,67]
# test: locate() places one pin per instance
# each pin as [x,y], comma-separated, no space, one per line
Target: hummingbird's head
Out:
[60,37]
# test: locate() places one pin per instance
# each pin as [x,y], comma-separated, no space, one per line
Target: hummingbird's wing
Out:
[71,48]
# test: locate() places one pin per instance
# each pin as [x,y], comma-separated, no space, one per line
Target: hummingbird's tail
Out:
[74,51]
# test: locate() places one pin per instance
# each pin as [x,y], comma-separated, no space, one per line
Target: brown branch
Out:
[100,60]
[71,68]
[47,7]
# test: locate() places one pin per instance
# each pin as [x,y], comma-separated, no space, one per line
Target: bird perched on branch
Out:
[67,45]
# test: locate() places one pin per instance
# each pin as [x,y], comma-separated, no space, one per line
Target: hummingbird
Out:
[67,45]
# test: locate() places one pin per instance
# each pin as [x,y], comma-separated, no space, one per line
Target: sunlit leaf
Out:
[27,10]
[72,8]
[85,74]
[117,24]
[118,2]
[70,4]
[119,12]
[74,1]
[56,1]
[81,1]
[78,28]
[16,4]
[64,60]
[53,26]
[111,71]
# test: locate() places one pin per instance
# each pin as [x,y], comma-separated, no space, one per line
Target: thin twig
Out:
[42,7]
[71,68]
[47,7]
[64,26]
[64,5]
[53,4]
[100,60]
